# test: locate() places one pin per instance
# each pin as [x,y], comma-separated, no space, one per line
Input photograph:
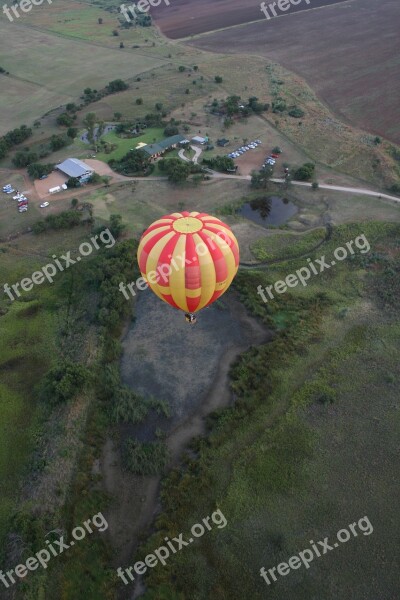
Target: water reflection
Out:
[269,210]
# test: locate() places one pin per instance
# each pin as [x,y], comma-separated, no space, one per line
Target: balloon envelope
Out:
[188,259]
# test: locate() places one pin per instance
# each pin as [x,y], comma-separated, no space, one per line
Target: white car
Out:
[10,191]
[44,204]
[23,209]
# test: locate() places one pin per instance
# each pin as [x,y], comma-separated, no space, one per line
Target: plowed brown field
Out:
[183,18]
[348,52]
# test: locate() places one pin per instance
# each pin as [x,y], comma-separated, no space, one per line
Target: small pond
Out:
[269,210]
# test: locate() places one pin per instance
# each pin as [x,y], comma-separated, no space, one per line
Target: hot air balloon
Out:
[188,260]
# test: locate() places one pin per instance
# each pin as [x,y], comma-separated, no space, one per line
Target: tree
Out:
[117,85]
[37,170]
[73,182]
[23,159]
[89,122]
[74,202]
[57,142]
[296,112]
[135,162]
[182,69]
[95,178]
[315,185]
[116,226]
[220,163]
[65,120]
[305,172]
[177,170]
[63,382]
[72,132]
[260,179]
[117,116]
[171,130]
[139,101]
[218,79]
[100,21]
[279,105]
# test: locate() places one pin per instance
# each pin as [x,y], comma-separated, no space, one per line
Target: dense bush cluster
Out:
[13,138]
[64,220]
[220,163]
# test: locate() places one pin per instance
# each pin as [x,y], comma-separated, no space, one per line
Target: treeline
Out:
[24,158]
[37,170]
[235,106]
[13,138]
[65,220]
[220,163]
[89,95]
[134,163]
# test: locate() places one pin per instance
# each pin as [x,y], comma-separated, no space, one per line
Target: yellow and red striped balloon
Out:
[188,259]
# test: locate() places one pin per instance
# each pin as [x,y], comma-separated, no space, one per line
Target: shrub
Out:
[149,458]
[63,382]
[296,112]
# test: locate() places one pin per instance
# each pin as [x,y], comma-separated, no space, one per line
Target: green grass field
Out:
[124,145]
[27,348]
[306,451]
[49,79]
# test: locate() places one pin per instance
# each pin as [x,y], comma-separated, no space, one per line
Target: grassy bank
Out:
[306,449]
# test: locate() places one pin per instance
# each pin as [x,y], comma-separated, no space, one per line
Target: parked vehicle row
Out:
[271,159]
[19,197]
[243,149]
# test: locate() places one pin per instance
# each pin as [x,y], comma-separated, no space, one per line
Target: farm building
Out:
[73,167]
[199,140]
[159,148]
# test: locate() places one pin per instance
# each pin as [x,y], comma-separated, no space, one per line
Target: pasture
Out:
[49,78]
[305,451]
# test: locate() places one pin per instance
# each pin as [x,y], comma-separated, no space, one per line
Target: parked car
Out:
[43,177]
[10,191]
[44,204]
[275,155]
[23,209]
